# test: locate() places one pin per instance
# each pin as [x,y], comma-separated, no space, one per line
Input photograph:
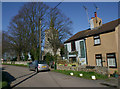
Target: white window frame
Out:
[98,62]
[97,40]
[111,58]
[98,59]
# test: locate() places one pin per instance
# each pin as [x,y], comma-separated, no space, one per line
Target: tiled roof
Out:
[108,27]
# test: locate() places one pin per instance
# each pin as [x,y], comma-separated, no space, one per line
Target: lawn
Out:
[15,64]
[86,75]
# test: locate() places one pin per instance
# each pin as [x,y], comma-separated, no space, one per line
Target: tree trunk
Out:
[18,57]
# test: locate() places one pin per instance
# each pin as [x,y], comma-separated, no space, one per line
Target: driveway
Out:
[25,78]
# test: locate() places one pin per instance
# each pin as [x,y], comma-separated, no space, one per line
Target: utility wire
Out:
[52,9]
[55,7]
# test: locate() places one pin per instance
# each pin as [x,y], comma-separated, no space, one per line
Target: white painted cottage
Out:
[75,49]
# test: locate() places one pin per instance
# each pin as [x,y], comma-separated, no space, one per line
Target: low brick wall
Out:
[100,70]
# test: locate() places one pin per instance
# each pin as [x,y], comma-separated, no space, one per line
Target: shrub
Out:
[5,84]
[62,62]
[48,58]
[69,65]
[26,57]
[15,59]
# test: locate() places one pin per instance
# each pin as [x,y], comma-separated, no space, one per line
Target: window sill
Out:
[112,66]
[97,44]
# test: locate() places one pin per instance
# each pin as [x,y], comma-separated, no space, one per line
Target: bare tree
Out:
[7,46]
[60,29]
[5,43]
[16,35]
[24,28]
[61,23]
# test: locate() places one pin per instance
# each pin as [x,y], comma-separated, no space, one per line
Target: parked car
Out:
[38,66]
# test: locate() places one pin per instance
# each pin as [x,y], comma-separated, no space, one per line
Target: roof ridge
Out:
[111,21]
[107,27]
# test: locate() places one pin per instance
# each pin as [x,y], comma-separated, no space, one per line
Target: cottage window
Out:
[111,58]
[98,59]
[66,51]
[82,49]
[73,45]
[96,40]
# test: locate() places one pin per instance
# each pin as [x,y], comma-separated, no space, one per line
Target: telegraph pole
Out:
[40,58]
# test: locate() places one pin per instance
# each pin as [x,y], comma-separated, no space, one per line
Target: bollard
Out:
[81,75]
[71,74]
[93,78]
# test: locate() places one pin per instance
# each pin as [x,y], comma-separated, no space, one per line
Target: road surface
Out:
[22,77]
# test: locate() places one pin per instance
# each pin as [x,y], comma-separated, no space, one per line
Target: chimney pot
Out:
[95,14]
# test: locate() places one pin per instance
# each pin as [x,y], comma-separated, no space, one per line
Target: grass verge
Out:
[15,64]
[5,81]
[86,75]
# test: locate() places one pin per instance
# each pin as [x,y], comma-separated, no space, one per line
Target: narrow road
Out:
[22,77]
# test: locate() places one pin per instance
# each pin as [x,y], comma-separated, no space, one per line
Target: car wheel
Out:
[36,70]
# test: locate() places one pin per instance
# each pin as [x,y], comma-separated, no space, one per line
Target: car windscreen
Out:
[42,62]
